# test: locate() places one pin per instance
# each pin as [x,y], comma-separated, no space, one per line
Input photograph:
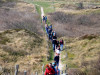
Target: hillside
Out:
[80,29]
[21,38]
[21,47]
[83,55]
[19,15]
[77,24]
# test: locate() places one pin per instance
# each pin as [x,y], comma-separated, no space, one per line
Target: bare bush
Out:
[61,17]
[10,18]
[75,25]
[89,37]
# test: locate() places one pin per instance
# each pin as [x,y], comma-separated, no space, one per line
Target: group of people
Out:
[52,68]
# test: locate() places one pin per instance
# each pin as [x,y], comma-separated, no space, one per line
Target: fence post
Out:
[66,66]
[65,46]
[66,55]
[36,73]
[43,69]
[25,72]
[61,72]
[16,69]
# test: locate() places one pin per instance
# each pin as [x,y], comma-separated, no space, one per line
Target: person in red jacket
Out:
[49,71]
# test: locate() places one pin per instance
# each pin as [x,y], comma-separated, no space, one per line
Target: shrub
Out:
[89,37]
[13,52]
[61,17]
[79,6]
[3,39]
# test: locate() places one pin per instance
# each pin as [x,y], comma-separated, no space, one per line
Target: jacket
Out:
[49,71]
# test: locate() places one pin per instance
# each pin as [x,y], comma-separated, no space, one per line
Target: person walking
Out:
[50,26]
[57,44]
[52,66]
[61,44]
[46,28]
[54,33]
[49,34]
[49,70]
[56,59]
[57,72]
[45,19]
[57,51]
[54,39]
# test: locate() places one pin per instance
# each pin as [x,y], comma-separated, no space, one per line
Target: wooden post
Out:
[66,72]
[16,69]
[65,46]
[66,66]
[25,72]
[36,73]
[62,73]
[66,55]
[43,69]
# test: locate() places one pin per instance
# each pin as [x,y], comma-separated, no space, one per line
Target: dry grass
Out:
[20,40]
[73,25]
[83,54]
[23,48]
[19,16]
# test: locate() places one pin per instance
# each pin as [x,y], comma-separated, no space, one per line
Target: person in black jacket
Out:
[56,59]
[54,40]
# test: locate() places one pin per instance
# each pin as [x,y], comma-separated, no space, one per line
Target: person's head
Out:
[47,66]
[50,64]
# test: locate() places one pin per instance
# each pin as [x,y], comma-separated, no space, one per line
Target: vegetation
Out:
[82,53]
[47,5]
[23,47]
[75,25]
[23,18]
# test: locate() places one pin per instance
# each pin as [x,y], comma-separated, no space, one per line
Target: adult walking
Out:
[49,32]
[54,39]
[61,44]
[49,71]
[57,51]
[45,19]
[56,59]
[46,28]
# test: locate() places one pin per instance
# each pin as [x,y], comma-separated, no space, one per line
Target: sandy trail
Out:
[60,63]
[42,12]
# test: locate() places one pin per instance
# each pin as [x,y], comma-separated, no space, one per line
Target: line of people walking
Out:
[53,68]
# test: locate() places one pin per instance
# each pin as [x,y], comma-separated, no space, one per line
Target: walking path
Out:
[42,12]
[60,63]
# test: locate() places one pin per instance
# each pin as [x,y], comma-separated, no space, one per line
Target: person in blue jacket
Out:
[46,28]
